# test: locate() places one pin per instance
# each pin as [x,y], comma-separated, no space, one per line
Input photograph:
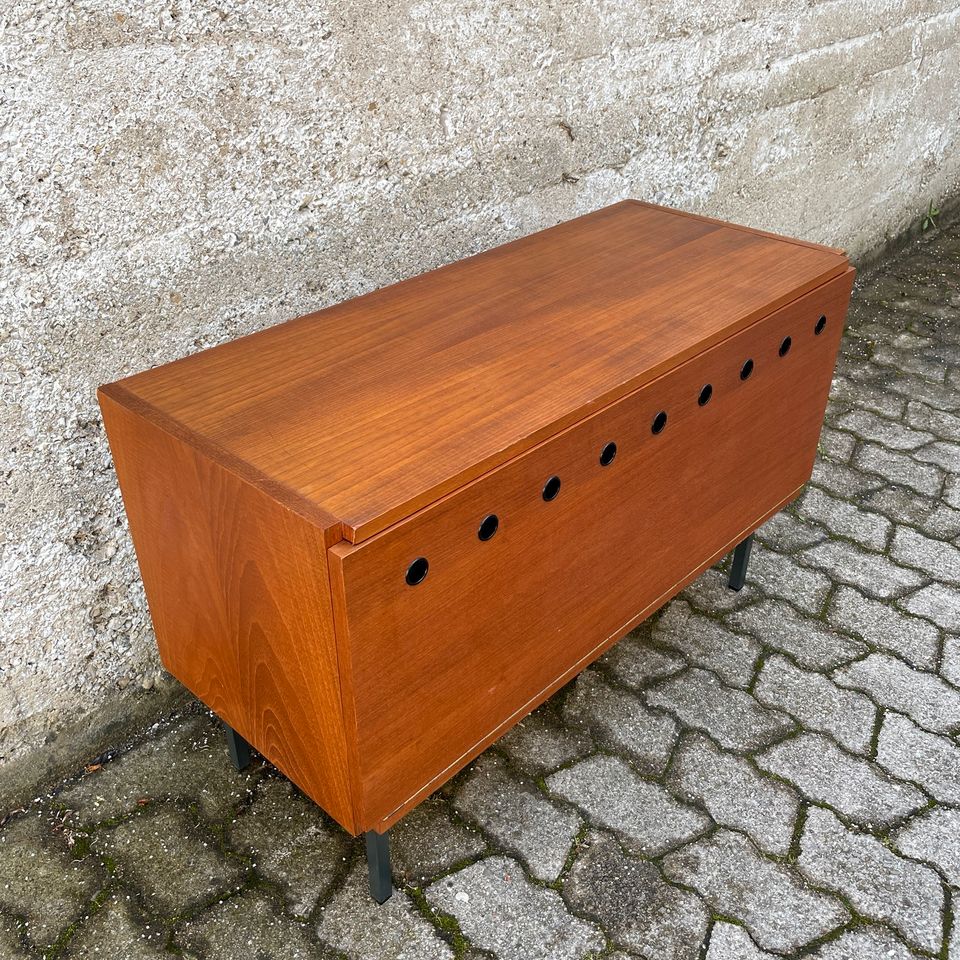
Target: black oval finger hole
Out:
[659,422]
[746,370]
[785,345]
[417,571]
[551,488]
[488,526]
[706,392]
[821,323]
[607,454]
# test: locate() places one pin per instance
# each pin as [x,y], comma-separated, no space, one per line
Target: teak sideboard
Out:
[375,537]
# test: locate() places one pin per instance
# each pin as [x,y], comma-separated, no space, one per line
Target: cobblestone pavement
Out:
[774,773]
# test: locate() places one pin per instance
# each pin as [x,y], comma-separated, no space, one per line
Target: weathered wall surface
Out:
[176,173]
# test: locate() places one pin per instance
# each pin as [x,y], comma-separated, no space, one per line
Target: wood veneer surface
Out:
[358,415]
[238,592]
[436,671]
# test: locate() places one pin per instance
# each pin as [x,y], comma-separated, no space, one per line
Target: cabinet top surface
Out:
[359,414]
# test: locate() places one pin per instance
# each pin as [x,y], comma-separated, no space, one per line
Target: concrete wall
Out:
[176,173]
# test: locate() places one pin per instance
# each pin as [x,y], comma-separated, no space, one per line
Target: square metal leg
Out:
[238,747]
[741,557]
[378,865]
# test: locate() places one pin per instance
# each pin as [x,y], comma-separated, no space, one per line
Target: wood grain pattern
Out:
[436,671]
[360,414]
[239,595]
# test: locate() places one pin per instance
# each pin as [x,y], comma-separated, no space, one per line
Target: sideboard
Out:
[375,537]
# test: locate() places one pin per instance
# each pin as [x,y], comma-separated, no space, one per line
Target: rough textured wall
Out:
[176,173]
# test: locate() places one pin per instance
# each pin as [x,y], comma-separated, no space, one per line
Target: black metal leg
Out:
[378,865]
[741,557]
[238,747]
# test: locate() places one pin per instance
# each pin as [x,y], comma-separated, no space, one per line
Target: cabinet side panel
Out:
[240,599]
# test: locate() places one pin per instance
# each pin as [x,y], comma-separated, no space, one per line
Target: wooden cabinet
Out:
[375,537]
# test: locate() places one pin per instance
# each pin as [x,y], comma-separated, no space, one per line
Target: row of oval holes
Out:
[417,571]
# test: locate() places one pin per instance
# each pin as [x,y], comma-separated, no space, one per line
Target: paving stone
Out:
[881,625]
[163,855]
[843,481]
[951,493]
[837,445]
[538,744]
[941,560]
[899,468]
[817,703]
[933,836]
[39,881]
[11,945]
[888,433]
[927,698]
[499,910]
[857,788]
[811,644]
[711,593]
[784,533]
[950,668]
[924,758]
[731,717]
[868,398]
[619,720]
[353,923]
[427,841]
[291,843]
[730,942]
[940,396]
[643,814]
[938,603]
[633,904]
[250,926]
[187,762]
[113,932]
[780,912]
[845,519]
[518,816]
[635,663]
[933,516]
[943,454]
[879,884]
[864,943]
[705,643]
[780,576]
[938,422]
[735,794]
[869,572]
